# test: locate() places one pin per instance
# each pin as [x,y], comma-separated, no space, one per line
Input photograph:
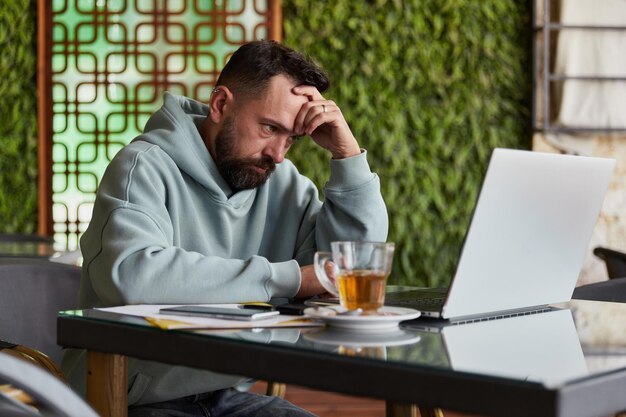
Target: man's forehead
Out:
[280,102]
[280,87]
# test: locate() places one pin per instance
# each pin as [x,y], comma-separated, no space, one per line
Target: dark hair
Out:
[252,65]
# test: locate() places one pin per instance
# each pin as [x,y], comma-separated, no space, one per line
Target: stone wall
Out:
[610,230]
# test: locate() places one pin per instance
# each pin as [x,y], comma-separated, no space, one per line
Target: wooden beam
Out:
[276,20]
[44,116]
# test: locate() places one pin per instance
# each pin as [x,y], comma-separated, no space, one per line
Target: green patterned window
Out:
[108,64]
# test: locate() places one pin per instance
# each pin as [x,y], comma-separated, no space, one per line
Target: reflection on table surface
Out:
[543,348]
[26,249]
[25,246]
[583,338]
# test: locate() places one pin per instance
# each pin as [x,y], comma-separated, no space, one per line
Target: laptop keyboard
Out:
[416,302]
[426,299]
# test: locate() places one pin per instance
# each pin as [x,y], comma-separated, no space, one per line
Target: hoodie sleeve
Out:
[130,255]
[136,264]
[353,209]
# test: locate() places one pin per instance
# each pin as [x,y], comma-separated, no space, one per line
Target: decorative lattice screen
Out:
[105,67]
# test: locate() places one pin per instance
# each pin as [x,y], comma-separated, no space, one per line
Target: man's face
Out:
[257,134]
[240,173]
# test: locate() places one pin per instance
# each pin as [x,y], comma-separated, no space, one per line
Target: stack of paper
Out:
[150,312]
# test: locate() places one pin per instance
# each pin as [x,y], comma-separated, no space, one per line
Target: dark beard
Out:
[239,173]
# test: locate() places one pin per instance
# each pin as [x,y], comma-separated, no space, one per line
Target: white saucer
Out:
[387,318]
[336,337]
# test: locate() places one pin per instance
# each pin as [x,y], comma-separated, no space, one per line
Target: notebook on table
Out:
[527,240]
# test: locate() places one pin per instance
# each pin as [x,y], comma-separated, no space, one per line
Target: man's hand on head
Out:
[323,121]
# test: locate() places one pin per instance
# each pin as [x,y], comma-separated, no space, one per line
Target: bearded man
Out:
[203,207]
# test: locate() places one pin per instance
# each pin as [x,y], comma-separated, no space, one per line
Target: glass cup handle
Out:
[319,261]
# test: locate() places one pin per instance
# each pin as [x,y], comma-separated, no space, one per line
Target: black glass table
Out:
[569,362]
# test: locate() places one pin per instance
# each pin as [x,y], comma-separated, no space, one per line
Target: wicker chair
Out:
[28,390]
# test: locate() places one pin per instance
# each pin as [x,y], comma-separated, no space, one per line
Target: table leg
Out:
[410,410]
[107,383]
[276,389]
[400,410]
[431,412]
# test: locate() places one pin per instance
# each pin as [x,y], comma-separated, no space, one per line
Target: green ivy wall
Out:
[18,116]
[428,87]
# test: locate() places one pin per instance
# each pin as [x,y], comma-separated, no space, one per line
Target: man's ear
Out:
[221,100]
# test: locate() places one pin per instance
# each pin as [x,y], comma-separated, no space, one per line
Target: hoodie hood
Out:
[175,129]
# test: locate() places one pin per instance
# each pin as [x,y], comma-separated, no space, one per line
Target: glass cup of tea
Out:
[356,272]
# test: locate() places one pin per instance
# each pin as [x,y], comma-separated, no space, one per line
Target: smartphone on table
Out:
[219,312]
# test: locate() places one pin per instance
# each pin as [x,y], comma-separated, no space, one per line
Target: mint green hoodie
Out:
[166,228]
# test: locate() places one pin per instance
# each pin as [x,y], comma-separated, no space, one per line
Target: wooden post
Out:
[276,20]
[44,116]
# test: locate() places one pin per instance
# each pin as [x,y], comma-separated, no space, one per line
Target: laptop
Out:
[527,239]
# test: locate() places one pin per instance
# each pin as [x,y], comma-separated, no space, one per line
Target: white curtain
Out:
[591,53]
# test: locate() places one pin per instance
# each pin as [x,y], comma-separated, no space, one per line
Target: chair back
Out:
[615,261]
[32,291]
[613,290]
